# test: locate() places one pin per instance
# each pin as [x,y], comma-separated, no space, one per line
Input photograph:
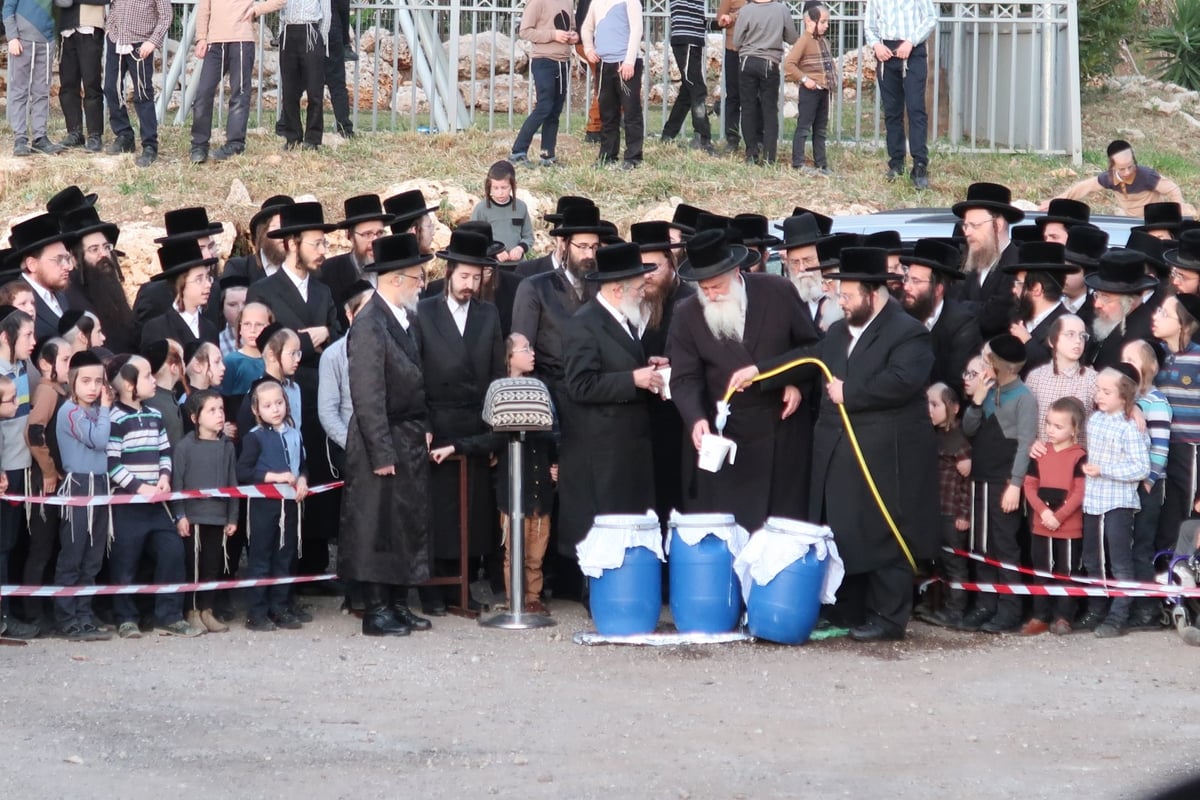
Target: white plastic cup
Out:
[665,372]
[714,450]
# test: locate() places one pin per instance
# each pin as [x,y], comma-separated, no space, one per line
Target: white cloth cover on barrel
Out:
[694,527]
[782,542]
[611,534]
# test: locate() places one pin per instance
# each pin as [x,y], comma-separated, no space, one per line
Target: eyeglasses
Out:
[1180,275]
[63,259]
[1162,312]
[201,280]
[1019,284]
[970,375]
[974,226]
[803,263]
[293,353]
[1080,335]
[525,349]
[849,297]
[316,244]
[372,234]
[97,249]
[418,278]
[587,248]
[6,400]
[910,281]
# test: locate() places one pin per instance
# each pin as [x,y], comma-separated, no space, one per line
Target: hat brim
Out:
[659,247]
[265,214]
[350,222]
[608,277]
[292,230]
[864,277]
[1173,258]
[737,255]
[1158,226]
[599,230]
[110,231]
[1096,283]
[792,243]
[464,258]
[213,229]
[1009,212]
[381,267]
[690,230]
[17,254]
[182,269]
[1082,259]
[1013,269]
[936,266]
[770,242]
[409,216]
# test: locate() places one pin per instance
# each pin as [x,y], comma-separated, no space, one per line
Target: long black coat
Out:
[171,326]
[771,474]
[1037,349]
[885,379]
[993,301]
[458,370]
[606,464]
[534,266]
[386,521]
[503,298]
[955,339]
[542,307]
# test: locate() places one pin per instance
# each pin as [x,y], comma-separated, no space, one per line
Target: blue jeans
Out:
[550,82]
[138,528]
[1117,530]
[116,67]
[236,59]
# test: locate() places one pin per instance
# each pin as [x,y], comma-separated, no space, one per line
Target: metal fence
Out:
[1004,77]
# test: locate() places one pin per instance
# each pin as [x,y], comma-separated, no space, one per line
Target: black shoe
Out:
[72,140]
[121,144]
[875,632]
[290,145]
[309,146]
[226,151]
[46,147]
[1000,625]
[346,133]
[628,165]
[349,54]
[591,137]
[15,629]
[149,156]
[286,620]
[301,613]
[379,621]
[262,625]
[21,148]
[92,145]
[405,616]
[944,618]
[975,619]
[920,177]
[1145,621]
[893,173]
[199,155]
[1089,621]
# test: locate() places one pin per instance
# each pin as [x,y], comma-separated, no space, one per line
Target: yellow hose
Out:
[862,461]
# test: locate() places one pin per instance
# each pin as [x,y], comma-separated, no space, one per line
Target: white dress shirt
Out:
[301,284]
[47,296]
[458,312]
[192,320]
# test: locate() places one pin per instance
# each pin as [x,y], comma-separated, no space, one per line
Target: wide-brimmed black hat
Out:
[581,219]
[829,249]
[940,256]
[617,262]
[355,289]
[233,282]
[1161,217]
[69,199]
[1065,212]
[1085,245]
[684,218]
[1153,248]
[177,257]
[824,223]
[484,228]
[269,208]
[888,240]
[396,252]
[33,234]
[653,236]
[565,202]
[754,230]
[709,254]
[300,217]
[468,247]
[1187,254]
[363,208]
[864,265]
[1024,234]
[84,220]
[188,223]
[708,221]
[992,197]
[1041,257]
[1121,272]
[801,230]
[406,207]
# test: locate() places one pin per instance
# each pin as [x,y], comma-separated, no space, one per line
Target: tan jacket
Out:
[537,28]
[730,7]
[805,60]
[223,20]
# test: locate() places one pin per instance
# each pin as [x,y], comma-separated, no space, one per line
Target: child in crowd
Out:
[139,462]
[953,448]
[205,459]
[8,407]
[280,348]
[203,366]
[1054,491]
[165,357]
[83,432]
[540,468]
[508,215]
[30,29]
[19,295]
[16,346]
[245,365]
[272,452]
[810,64]
[1002,424]
[233,300]
[1118,460]
[82,329]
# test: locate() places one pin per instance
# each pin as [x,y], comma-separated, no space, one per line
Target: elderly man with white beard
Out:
[801,261]
[1121,317]
[738,318]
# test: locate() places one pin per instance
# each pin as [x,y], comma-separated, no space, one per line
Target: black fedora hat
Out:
[1024,234]
[617,262]
[188,223]
[1085,245]
[564,202]
[484,228]
[992,197]
[709,254]
[69,199]
[1121,272]
[468,247]
[581,219]
[83,220]
[824,223]
[406,207]
[233,282]
[753,230]
[1187,255]
[33,234]
[399,251]
[269,208]
[363,208]
[829,249]
[1153,248]
[684,218]
[937,254]
[177,257]
[1040,257]
[1065,212]
[888,240]
[300,217]
[653,236]
[801,230]
[1161,217]
[864,265]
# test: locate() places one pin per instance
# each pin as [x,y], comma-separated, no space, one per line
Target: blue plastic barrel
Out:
[705,595]
[627,600]
[786,609]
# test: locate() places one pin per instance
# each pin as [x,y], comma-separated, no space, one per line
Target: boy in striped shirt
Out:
[139,462]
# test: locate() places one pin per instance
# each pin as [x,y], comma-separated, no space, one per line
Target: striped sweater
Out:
[1179,381]
[138,450]
[688,25]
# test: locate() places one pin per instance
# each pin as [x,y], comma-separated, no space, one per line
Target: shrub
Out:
[1177,45]
[1102,26]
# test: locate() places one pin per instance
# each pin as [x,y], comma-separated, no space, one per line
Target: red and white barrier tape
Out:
[258,491]
[1049,590]
[1151,589]
[155,588]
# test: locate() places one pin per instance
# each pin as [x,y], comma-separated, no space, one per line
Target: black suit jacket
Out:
[993,301]
[541,309]
[46,322]
[292,311]
[534,266]
[171,326]
[955,339]
[503,298]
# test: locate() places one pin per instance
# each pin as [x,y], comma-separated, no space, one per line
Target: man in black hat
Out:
[499,285]
[1085,245]
[752,231]
[1185,263]
[365,221]
[1061,216]
[1121,317]
[268,253]
[462,352]
[1133,185]
[1161,220]
[986,215]
[1038,278]
[387,515]
[554,259]
[97,283]
[801,261]
[154,298]
[41,250]
[881,359]
[606,461]
[411,214]
[737,316]
[953,330]
[187,271]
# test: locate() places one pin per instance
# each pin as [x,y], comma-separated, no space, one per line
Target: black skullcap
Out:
[1007,347]
[7,311]
[156,353]
[85,358]
[1129,371]
[265,336]
[190,349]
[1190,303]
[69,320]
[114,366]
[1118,146]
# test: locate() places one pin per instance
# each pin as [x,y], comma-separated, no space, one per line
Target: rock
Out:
[1167,109]
[1064,172]
[479,52]
[238,195]
[1131,134]
[410,95]
[374,88]
[790,110]
[850,62]
[73,760]
[507,93]
[655,94]
[1189,119]
[393,50]
[849,93]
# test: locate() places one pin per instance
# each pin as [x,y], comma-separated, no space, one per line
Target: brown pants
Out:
[593,120]
[537,537]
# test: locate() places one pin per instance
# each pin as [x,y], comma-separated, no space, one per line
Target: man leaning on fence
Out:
[897,30]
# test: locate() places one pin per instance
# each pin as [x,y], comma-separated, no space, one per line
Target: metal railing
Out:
[1004,77]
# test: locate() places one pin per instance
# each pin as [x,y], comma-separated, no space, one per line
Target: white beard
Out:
[1102,330]
[808,285]
[631,307]
[726,317]
[831,312]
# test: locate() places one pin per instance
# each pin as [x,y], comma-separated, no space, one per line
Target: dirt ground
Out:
[464,711]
